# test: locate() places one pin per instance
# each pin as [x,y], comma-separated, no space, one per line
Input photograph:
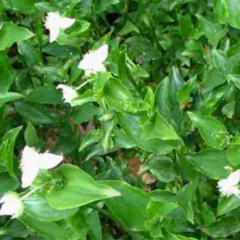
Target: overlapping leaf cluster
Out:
[144,143]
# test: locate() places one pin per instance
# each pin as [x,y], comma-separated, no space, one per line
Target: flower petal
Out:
[29,174]
[86,62]
[68,93]
[100,68]
[54,32]
[12,205]
[102,53]
[93,60]
[66,22]
[49,160]
[234,178]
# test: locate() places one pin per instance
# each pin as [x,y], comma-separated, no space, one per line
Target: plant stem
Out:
[83,84]
[31,192]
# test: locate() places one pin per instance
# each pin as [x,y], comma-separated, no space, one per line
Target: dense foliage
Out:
[145,144]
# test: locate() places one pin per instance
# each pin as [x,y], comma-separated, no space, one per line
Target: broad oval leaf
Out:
[211,163]
[227,204]
[161,167]
[36,207]
[131,213]
[78,190]
[47,229]
[9,97]
[11,33]
[7,183]
[6,74]
[45,95]
[223,228]
[158,127]
[36,113]
[212,131]
[131,126]
[233,154]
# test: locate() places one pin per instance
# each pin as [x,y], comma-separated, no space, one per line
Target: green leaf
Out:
[94,223]
[92,137]
[184,94]
[211,163]
[45,95]
[160,208]
[6,74]
[185,200]
[46,229]
[9,97]
[8,184]
[124,207]
[31,136]
[223,228]
[235,79]
[160,167]
[78,223]
[227,11]
[11,33]
[233,153]
[229,109]
[186,238]
[24,6]
[158,127]
[78,188]
[131,126]
[186,26]
[107,130]
[162,99]
[170,236]
[175,84]
[213,31]
[28,52]
[227,204]
[88,96]
[232,63]
[85,112]
[36,207]
[14,229]
[120,99]
[102,5]
[220,60]
[212,131]
[213,78]
[208,217]
[128,28]
[36,113]
[7,150]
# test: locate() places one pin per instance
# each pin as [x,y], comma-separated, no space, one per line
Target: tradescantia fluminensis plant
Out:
[119,119]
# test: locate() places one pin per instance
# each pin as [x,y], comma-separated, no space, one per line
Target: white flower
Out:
[11,205]
[93,61]
[54,22]
[32,161]
[229,186]
[68,93]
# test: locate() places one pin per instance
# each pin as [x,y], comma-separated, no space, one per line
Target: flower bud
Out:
[12,205]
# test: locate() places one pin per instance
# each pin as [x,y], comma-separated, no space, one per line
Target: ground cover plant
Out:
[119,119]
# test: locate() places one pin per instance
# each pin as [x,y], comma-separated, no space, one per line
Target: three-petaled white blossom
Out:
[11,205]
[68,93]
[92,62]
[32,161]
[55,22]
[229,186]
